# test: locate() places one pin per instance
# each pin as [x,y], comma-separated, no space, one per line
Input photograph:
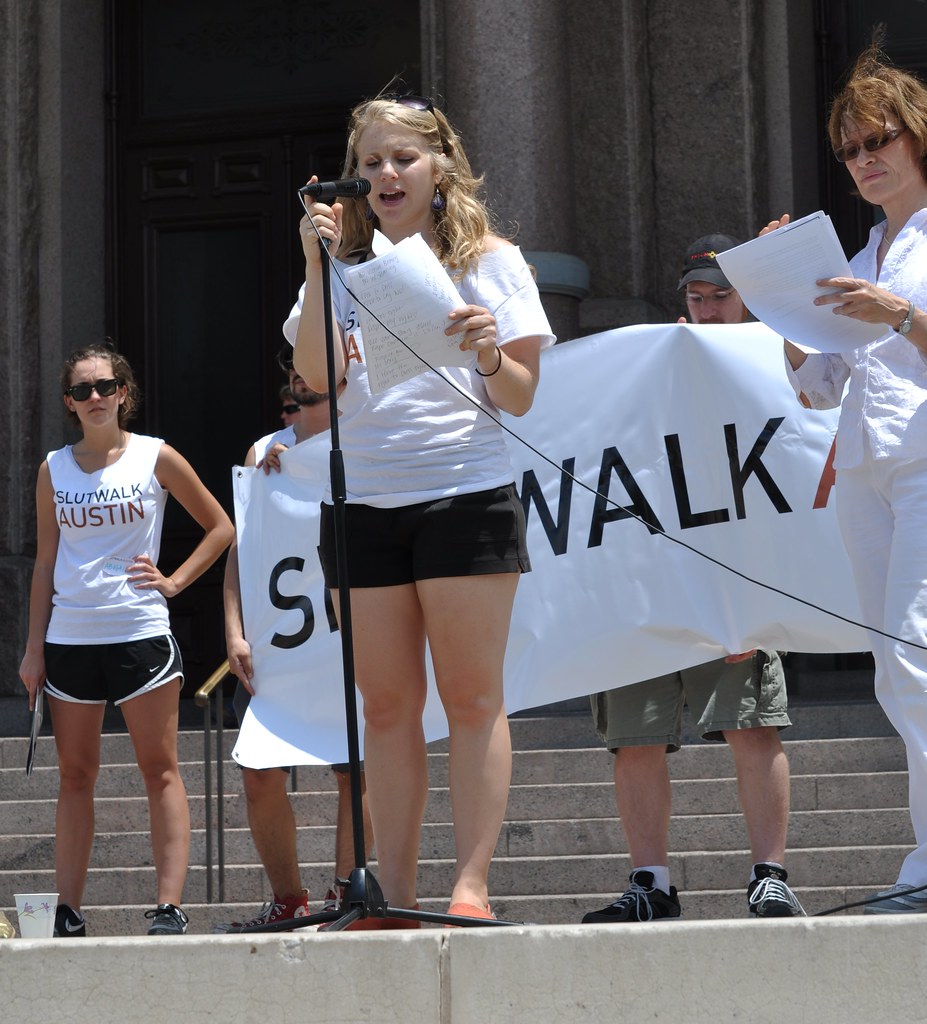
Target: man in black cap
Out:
[740,700]
[710,298]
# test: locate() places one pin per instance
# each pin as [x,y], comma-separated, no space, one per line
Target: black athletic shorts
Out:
[97,673]
[464,535]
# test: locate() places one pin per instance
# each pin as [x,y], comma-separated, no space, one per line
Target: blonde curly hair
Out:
[461,227]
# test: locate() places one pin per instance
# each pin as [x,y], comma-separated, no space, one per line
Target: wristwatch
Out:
[905,326]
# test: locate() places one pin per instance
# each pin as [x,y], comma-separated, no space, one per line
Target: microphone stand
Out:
[363,896]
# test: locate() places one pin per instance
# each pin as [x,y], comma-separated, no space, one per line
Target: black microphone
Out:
[346,187]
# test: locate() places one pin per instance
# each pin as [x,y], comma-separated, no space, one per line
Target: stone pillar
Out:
[710,134]
[507,92]
[612,143]
[20,412]
[51,260]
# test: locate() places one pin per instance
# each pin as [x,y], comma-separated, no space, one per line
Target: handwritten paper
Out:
[406,293]
[776,273]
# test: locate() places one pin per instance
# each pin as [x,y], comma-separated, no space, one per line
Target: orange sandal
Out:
[469,910]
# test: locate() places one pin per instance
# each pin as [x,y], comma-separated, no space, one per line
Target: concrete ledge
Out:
[821,970]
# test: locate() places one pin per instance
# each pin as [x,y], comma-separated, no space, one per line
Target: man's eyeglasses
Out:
[291,408]
[104,387]
[871,144]
[694,298]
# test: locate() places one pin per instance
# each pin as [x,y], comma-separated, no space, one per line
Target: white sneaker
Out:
[900,899]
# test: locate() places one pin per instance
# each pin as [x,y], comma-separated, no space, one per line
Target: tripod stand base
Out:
[363,902]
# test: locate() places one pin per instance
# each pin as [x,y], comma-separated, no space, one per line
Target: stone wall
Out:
[51,257]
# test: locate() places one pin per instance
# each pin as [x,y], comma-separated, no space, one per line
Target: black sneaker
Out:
[769,896]
[69,924]
[167,920]
[639,902]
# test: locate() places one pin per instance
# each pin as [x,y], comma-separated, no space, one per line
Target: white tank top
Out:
[106,520]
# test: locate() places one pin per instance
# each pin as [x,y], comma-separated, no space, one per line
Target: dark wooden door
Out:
[220,112]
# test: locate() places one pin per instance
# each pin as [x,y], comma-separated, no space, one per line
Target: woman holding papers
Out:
[98,622]
[435,529]
[878,128]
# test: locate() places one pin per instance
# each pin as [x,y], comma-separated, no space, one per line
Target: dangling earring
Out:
[368,213]
[438,203]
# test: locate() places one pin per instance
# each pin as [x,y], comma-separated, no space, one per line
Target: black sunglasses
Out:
[871,144]
[291,408]
[104,387]
[414,102]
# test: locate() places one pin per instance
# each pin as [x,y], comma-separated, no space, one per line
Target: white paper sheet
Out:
[776,273]
[411,294]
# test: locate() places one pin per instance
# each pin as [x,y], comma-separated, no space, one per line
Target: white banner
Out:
[694,429]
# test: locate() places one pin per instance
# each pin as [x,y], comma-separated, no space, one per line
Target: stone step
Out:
[586,836]
[577,765]
[526,802]
[706,905]
[538,876]
[552,866]
[530,731]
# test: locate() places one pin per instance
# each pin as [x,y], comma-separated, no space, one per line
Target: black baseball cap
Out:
[702,262]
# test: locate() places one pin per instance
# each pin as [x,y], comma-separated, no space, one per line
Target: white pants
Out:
[882,511]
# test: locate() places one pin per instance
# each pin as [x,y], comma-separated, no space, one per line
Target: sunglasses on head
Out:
[104,387]
[871,144]
[413,102]
[290,408]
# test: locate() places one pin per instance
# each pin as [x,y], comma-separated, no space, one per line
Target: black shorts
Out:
[96,673]
[464,535]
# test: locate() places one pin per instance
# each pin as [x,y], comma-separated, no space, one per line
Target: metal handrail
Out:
[202,697]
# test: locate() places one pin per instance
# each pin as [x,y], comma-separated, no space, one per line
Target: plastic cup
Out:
[36,912]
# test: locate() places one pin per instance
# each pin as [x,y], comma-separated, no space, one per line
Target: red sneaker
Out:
[280,908]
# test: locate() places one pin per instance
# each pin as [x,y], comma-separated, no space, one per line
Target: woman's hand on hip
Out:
[143,574]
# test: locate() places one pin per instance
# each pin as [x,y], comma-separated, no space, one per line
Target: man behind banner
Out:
[270,814]
[740,699]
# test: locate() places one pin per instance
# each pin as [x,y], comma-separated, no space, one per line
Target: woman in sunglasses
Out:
[878,128]
[435,530]
[98,620]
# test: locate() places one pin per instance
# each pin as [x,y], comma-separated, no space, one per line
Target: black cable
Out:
[560,469]
[866,902]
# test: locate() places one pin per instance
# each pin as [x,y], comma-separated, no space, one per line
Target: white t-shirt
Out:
[106,520]
[422,440]
[285,436]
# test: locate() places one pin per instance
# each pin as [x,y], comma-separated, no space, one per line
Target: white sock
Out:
[771,863]
[661,875]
